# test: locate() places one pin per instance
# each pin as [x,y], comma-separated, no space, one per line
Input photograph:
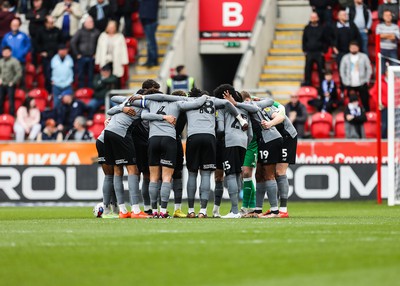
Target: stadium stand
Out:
[84,94]
[41,97]
[339,126]
[370,125]
[321,125]
[6,127]
[19,97]
[98,124]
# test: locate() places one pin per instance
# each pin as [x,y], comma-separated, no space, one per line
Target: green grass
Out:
[336,243]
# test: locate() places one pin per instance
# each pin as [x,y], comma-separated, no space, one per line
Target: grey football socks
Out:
[134,192]
[233,191]
[205,186]
[119,189]
[272,192]
[107,189]
[191,188]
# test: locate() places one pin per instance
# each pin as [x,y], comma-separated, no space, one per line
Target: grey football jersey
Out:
[286,127]
[234,135]
[202,120]
[120,122]
[263,113]
[163,128]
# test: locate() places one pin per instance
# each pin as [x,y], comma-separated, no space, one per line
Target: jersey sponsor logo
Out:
[209,166]
[166,162]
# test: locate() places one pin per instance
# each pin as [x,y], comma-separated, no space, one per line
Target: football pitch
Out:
[330,243]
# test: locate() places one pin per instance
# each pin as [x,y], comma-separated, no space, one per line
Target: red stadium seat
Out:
[306,93]
[137,28]
[40,79]
[132,46]
[321,125]
[339,126]
[84,94]
[370,125]
[19,97]
[98,124]
[30,74]
[6,126]
[40,95]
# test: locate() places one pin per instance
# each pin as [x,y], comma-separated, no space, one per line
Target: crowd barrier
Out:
[65,173]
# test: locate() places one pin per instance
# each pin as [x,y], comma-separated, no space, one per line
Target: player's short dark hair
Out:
[179,68]
[237,96]
[219,91]
[195,92]
[151,91]
[179,93]
[328,72]
[150,83]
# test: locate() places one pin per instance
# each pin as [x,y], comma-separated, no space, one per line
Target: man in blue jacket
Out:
[148,13]
[18,41]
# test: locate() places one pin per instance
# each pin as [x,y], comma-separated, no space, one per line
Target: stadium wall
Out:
[68,173]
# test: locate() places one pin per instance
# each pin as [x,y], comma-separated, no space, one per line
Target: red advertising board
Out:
[339,152]
[227,19]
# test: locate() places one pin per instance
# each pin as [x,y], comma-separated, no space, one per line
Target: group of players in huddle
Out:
[229,133]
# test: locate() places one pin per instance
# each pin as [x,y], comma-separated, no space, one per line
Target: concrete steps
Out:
[283,71]
[140,73]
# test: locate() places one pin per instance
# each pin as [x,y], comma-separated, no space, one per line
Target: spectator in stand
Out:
[148,13]
[361,16]
[50,132]
[328,97]
[67,15]
[324,10]
[344,33]
[83,45]
[27,121]
[392,6]
[18,41]
[80,131]
[390,35]
[354,116]
[10,75]
[111,49]
[37,17]
[62,74]
[101,14]
[181,81]
[5,19]
[355,71]
[102,83]
[70,108]
[297,113]
[124,9]
[48,39]
[315,44]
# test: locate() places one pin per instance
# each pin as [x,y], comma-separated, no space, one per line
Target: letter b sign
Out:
[232,14]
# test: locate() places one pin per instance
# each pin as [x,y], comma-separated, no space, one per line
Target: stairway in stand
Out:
[139,73]
[283,71]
